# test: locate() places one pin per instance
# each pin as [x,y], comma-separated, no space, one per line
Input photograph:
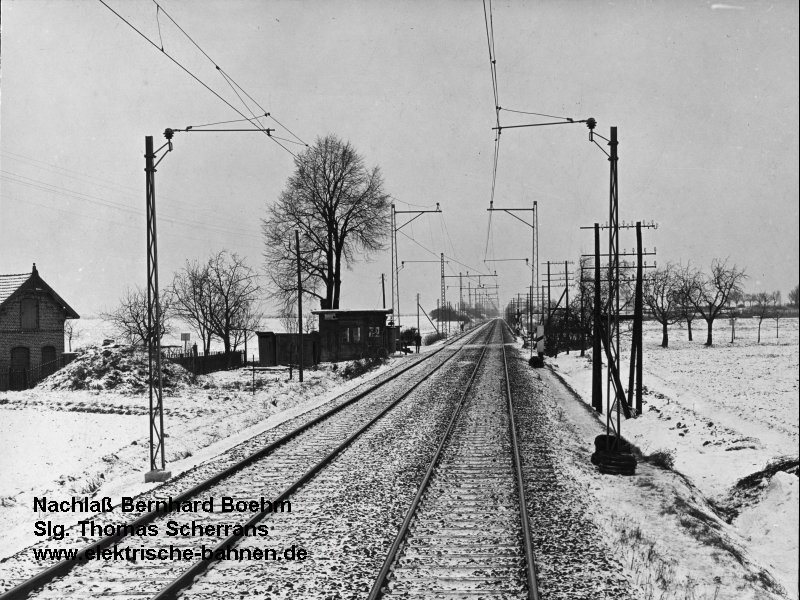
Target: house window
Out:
[346,335]
[356,335]
[29,314]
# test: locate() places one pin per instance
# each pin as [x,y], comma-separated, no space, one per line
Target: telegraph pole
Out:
[597,357]
[299,304]
[566,305]
[383,290]
[444,305]
[417,313]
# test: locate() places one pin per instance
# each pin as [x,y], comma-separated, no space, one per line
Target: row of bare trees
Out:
[671,294]
[217,298]
[676,292]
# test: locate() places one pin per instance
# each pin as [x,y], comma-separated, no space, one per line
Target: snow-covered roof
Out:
[329,311]
[11,284]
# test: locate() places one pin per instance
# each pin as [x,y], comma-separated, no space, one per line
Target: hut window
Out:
[356,335]
[29,314]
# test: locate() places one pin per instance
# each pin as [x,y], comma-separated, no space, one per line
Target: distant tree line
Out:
[671,294]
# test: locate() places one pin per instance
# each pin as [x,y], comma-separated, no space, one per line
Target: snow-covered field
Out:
[724,413]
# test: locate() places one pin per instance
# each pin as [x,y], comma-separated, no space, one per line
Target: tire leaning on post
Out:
[617,461]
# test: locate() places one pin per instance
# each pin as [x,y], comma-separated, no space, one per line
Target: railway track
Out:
[267,477]
[466,533]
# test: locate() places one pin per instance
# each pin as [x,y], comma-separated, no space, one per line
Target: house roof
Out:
[360,311]
[10,284]
[14,284]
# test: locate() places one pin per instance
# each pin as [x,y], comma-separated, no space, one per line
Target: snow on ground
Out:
[92,442]
[724,413]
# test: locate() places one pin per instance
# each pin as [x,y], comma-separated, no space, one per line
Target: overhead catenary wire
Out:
[188,72]
[438,255]
[88,198]
[523,112]
[227,77]
[117,188]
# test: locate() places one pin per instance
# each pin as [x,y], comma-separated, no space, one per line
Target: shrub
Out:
[359,367]
[433,337]
[662,458]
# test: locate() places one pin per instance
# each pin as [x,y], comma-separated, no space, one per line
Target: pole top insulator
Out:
[168,133]
[591,123]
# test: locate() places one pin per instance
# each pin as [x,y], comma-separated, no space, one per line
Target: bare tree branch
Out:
[339,208]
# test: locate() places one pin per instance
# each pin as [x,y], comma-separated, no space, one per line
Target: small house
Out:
[32,317]
[346,334]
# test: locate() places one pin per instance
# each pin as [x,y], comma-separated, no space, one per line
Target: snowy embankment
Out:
[85,430]
[728,415]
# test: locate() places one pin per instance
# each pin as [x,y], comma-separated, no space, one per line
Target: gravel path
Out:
[572,560]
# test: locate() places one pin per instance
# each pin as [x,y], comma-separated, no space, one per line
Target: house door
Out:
[19,370]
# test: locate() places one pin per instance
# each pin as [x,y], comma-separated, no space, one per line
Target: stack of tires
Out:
[613,455]
[537,362]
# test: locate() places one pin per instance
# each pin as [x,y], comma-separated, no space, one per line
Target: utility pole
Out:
[635,376]
[566,306]
[460,293]
[158,470]
[597,358]
[417,313]
[383,290]
[444,305]
[299,304]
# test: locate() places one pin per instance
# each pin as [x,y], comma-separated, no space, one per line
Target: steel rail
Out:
[378,586]
[185,578]
[65,566]
[530,570]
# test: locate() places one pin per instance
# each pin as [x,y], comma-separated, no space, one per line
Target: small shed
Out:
[282,348]
[349,334]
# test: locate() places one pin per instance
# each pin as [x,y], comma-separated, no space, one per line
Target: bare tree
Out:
[235,290]
[762,304]
[288,321]
[130,317]
[661,296]
[309,322]
[341,211]
[711,294]
[194,300]
[775,301]
[687,281]
[793,296]
[69,331]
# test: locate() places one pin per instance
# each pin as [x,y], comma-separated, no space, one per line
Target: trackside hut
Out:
[32,317]
[352,334]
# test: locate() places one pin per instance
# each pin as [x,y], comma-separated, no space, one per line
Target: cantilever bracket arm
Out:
[509,211]
[416,213]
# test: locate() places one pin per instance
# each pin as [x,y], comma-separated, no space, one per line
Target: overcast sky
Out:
[705,96]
